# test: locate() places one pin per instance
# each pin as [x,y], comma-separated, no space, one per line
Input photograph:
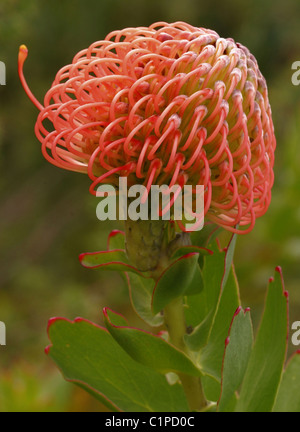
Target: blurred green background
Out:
[47,216]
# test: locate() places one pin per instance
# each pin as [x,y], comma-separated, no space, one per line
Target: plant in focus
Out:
[172,105]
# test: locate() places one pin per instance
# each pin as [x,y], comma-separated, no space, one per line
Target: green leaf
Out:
[238,348]
[109,260]
[185,250]
[89,356]
[288,398]
[211,356]
[265,367]
[207,235]
[198,338]
[174,281]
[141,292]
[148,349]
[201,310]
[229,258]
[196,285]
[212,388]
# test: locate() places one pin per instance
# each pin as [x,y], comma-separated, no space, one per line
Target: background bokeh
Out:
[47,216]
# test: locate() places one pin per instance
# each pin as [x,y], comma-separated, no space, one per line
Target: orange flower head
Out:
[166,104]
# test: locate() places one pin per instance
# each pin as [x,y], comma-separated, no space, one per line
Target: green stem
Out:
[149,245]
[175,323]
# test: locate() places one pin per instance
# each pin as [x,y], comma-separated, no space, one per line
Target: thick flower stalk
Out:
[170,104]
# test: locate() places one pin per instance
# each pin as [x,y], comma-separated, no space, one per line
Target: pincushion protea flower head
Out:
[167,104]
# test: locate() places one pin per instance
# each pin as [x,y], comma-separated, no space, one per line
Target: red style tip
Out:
[23,53]
[227,341]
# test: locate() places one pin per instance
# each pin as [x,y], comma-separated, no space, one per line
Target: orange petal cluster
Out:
[166,104]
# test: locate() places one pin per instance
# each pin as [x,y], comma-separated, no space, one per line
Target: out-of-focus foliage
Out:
[47,216]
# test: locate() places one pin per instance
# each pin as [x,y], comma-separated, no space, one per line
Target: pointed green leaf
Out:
[288,398]
[238,348]
[148,349]
[265,367]
[201,311]
[141,292]
[211,356]
[109,260]
[174,281]
[89,356]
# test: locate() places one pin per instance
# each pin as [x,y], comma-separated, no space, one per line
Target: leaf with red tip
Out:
[116,240]
[265,367]
[288,397]
[238,348]
[175,281]
[109,260]
[89,357]
[148,349]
